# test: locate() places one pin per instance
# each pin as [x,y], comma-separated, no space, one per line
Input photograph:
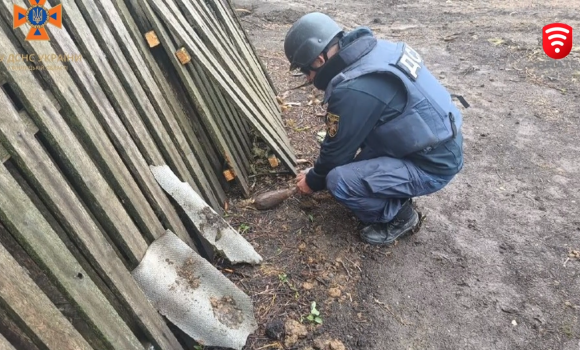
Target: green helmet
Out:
[308,37]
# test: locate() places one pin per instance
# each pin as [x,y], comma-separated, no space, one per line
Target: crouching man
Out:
[393,131]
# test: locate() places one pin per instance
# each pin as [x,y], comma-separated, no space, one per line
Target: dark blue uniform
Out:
[375,184]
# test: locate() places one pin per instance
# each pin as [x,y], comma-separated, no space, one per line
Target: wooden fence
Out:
[121,86]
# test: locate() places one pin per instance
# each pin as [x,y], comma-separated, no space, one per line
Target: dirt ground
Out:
[496,262]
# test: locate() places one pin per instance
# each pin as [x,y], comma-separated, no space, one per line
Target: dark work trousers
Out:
[376,188]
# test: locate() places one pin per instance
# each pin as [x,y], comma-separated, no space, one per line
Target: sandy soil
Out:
[493,266]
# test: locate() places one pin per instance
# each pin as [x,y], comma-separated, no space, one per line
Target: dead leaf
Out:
[496,41]
[294,331]
[334,292]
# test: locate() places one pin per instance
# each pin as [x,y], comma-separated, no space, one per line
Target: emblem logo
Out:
[37,17]
[332,122]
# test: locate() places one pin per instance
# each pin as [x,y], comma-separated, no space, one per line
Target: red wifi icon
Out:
[557,40]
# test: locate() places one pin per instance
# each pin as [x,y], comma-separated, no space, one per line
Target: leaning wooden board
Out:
[229,21]
[85,175]
[206,34]
[4,155]
[32,231]
[33,307]
[70,212]
[13,333]
[198,95]
[95,41]
[4,344]
[83,105]
[227,12]
[199,151]
[196,11]
[262,123]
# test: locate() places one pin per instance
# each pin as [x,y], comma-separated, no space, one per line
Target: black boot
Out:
[401,226]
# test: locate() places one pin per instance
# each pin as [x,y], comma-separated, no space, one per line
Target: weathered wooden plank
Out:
[205,14]
[218,100]
[222,23]
[192,115]
[205,34]
[238,27]
[4,155]
[53,100]
[168,79]
[13,333]
[237,122]
[66,307]
[201,52]
[197,95]
[126,88]
[223,121]
[229,20]
[23,297]
[222,118]
[148,73]
[221,102]
[33,231]
[142,196]
[63,203]
[5,344]
[274,122]
[84,174]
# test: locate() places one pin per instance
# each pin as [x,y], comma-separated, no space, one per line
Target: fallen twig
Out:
[276,344]
[347,272]
[321,281]
[271,173]
[355,265]
[397,317]
[565,262]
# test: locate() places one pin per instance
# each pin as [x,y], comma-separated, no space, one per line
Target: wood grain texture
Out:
[44,279]
[23,297]
[209,36]
[5,344]
[125,30]
[87,108]
[262,123]
[64,204]
[188,115]
[198,93]
[84,15]
[12,332]
[198,11]
[86,177]
[230,10]
[4,155]
[34,232]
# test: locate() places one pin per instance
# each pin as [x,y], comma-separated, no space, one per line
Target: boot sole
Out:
[408,232]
